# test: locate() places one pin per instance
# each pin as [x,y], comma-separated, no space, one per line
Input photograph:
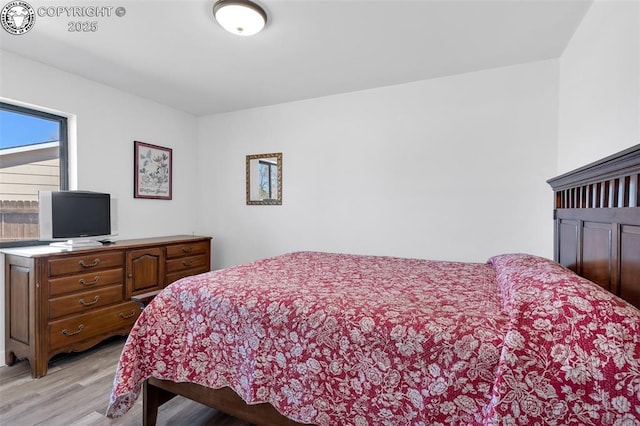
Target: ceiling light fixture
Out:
[240,17]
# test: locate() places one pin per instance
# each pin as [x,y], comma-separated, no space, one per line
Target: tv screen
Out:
[75,215]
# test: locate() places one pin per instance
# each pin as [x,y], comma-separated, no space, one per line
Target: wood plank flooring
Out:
[76,391]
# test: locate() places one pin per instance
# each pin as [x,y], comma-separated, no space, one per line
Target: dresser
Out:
[67,300]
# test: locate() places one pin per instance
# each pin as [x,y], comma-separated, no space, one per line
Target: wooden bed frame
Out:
[597,223]
[597,235]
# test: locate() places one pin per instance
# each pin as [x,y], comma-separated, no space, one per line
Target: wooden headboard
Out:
[597,222]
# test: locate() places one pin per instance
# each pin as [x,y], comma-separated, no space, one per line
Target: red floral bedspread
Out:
[337,339]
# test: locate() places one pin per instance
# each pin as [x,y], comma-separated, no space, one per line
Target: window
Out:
[267,179]
[33,157]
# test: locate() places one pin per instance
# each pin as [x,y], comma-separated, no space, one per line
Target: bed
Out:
[325,338]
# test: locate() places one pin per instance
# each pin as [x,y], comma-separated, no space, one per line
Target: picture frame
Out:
[152,171]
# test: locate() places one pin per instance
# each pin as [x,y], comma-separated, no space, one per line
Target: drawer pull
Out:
[123,316]
[187,249]
[88,283]
[72,333]
[187,262]
[90,265]
[95,300]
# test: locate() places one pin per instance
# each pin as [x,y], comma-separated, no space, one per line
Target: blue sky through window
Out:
[20,129]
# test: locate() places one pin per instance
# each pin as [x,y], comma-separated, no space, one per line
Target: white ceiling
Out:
[174,52]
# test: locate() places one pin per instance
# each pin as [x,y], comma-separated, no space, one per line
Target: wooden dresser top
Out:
[46,250]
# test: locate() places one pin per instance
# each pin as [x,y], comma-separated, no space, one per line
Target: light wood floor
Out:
[76,391]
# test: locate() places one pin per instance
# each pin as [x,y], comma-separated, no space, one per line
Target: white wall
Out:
[450,168]
[108,121]
[600,85]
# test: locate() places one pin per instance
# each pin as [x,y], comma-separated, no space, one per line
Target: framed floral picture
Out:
[152,171]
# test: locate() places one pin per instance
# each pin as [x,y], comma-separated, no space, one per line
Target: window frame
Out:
[63,152]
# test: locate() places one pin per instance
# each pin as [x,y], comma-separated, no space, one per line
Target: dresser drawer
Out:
[184,263]
[84,301]
[187,249]
[98,322]
[185,273]
[85,263]
[83,282]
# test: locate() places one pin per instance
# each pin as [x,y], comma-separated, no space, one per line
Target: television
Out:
[77,218]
